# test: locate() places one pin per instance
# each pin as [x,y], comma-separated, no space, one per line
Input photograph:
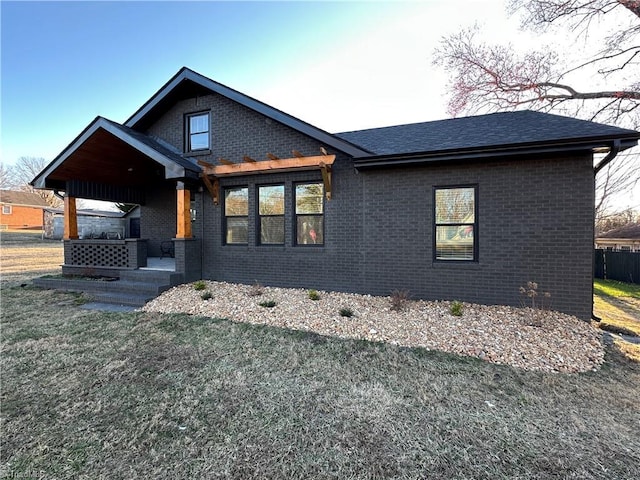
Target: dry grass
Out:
[90,395]
[24,255]
[141,395]
[618,305]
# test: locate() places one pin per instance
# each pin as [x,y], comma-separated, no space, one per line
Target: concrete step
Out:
[115,298]
[97,286]
[162,277]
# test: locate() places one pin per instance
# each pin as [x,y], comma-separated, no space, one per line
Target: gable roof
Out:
[504,131]
[188,83]
[25,199]
[175,165]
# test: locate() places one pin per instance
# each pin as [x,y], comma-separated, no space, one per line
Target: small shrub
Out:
[456,308]
[206,296]
[346,312]
[256,290]
[539,302]
[313,295]
[199,285]
[268,304]
[399,300]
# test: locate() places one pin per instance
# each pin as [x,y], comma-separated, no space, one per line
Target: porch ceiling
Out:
[110,154]
[104,158]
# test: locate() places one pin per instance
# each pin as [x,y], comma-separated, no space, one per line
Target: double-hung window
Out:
[197,131]
[456,223]
[6,209]
[236,215]
[271,214]
[309,213]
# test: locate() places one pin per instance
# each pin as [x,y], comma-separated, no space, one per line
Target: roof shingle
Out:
[481,131]
[28,199]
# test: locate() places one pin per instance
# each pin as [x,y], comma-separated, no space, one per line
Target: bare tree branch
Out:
[25,170]
[485,77]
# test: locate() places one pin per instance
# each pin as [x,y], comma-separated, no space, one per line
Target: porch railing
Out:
[129,253]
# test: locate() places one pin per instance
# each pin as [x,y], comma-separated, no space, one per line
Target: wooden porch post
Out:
[183,229]
[70,218]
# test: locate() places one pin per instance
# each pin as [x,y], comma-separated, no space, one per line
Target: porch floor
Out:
[156,263]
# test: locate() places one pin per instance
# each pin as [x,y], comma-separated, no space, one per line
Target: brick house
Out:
[468,209]
[21,209]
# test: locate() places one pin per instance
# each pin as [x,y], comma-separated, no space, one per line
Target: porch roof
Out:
[112,154]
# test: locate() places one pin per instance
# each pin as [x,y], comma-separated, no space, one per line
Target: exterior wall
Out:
[21,217]
[158,217]
[535,221]
[235,131]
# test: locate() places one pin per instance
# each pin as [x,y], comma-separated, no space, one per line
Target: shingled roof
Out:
[628,231]
[486,132]
[25,199]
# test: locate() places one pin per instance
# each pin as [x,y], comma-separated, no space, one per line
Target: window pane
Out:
[236,201]
[455,205]
[199,123]
[199,141]
[309,198]
[272,230]
[237,229]
[271,200]
[454,243]
[310,230]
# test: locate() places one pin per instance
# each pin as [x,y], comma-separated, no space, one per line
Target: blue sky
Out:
[342,65]
[328,63]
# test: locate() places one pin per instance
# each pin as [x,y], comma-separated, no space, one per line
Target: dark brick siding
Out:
[158,217]
[535,221]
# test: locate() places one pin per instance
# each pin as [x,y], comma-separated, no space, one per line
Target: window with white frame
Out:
[6,210]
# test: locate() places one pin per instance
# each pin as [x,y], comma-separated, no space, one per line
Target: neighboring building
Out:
[623,239]
[21,209]
[467,209]
[93,224]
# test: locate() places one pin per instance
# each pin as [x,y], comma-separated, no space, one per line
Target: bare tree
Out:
[488,77]
[6,178]
[25,170]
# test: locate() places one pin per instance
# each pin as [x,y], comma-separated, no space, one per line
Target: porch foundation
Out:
[188,255]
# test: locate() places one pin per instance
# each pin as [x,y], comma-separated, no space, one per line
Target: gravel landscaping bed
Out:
[522,337]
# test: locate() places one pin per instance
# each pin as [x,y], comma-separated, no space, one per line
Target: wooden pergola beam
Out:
[326,178]
[212,187]
[250,166]
[267,166]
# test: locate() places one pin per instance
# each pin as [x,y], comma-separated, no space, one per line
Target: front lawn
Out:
[618,305]
[90,395]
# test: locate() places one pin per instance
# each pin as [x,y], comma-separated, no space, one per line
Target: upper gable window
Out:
[197,131]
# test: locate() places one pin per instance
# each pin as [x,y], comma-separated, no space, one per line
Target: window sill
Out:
[456,264]
[195,153]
